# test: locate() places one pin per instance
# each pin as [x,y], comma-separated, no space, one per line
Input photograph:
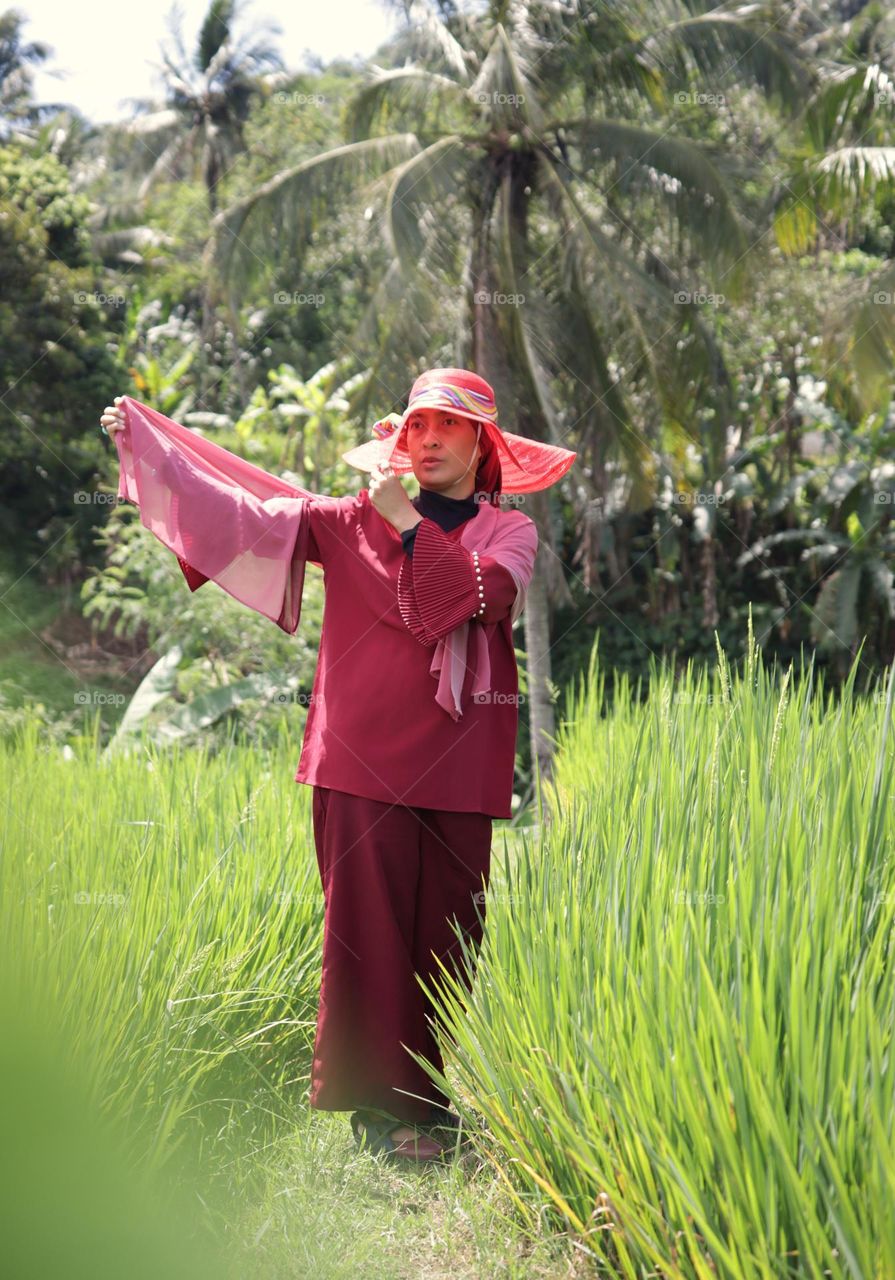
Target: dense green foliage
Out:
[690,499]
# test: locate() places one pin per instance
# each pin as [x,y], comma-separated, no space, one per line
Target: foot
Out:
[403,1133]
[399,1141]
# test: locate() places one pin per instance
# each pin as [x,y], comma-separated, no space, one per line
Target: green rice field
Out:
[677,1056]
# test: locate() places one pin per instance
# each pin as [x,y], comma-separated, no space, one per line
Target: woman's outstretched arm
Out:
[225,519]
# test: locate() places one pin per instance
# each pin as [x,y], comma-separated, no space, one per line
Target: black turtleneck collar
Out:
[446,512]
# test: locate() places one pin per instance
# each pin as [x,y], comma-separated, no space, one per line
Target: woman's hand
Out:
[113,418]
[390,499]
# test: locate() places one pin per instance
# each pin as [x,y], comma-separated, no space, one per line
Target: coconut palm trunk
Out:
[490,356]
[541,718]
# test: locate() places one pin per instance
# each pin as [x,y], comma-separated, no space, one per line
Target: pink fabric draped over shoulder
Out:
[512,540]
[224,518]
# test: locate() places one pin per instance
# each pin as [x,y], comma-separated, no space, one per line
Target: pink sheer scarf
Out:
[512,540]
[224,518]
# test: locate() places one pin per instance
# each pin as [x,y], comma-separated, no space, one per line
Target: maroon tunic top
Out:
[374,728]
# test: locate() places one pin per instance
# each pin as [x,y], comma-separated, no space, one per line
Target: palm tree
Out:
[18,113]
[844,161]
[531,202]
[209,96]
[208,99]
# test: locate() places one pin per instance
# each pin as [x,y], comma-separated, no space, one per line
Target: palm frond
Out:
[585,321]
[506,95]
[274,224]
[628,289]
[255,57]
[849,99]
[830,187]
[153,122]
[165,164]
[598,46]
[178,87]
[850,173]
[421,187]
[723,47]
[675,170]
[214,33]
[858,340]
[395,97]
[669,347]
[426,40]
[650,48]
[556,328]
[400,328]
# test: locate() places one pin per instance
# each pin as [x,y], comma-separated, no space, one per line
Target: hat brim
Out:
[526,465]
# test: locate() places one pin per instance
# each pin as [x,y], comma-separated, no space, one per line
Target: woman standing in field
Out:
[410,738]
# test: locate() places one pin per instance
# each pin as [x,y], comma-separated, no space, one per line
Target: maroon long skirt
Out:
[393,878]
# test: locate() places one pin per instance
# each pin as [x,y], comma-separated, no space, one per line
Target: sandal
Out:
[371,1131]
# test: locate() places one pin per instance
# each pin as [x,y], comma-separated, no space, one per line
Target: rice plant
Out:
[677,1049]
[679,1042]
[164,907]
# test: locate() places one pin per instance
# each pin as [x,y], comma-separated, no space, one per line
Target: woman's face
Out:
[443,451]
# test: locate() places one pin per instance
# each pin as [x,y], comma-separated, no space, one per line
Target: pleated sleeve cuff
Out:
[444,585]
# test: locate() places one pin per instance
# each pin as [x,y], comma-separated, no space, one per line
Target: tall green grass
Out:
[680,1037]
[164,908]
[71,1201]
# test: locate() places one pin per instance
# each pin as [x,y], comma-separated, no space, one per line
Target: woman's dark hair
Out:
[488,476]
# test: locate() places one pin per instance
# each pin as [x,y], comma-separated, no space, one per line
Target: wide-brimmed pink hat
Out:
[526,465]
